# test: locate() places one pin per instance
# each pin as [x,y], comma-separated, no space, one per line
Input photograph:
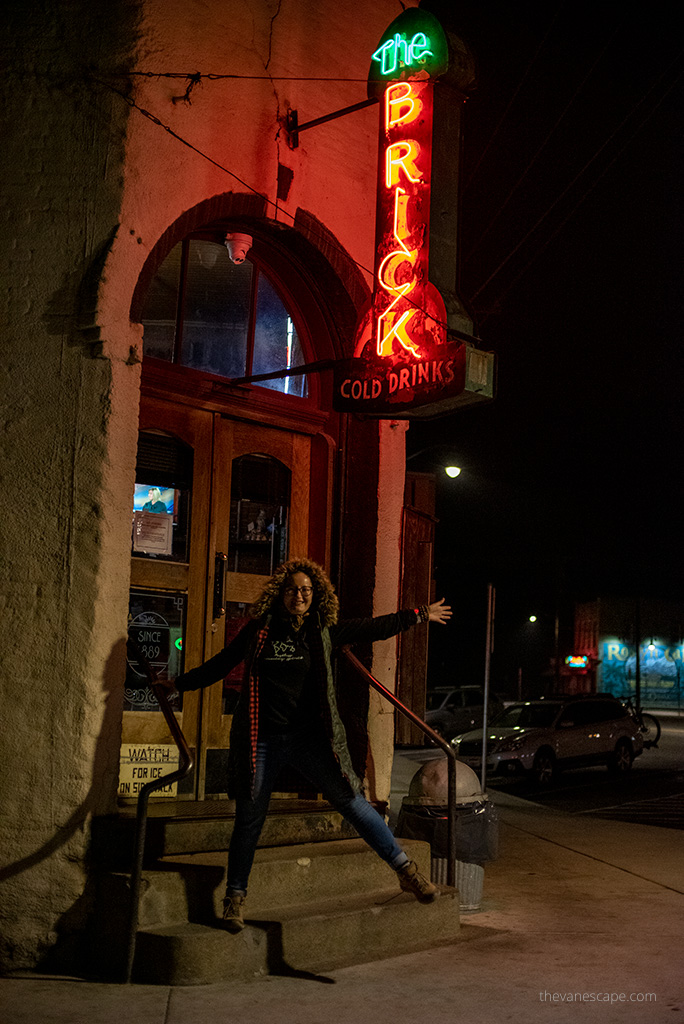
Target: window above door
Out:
[205,312]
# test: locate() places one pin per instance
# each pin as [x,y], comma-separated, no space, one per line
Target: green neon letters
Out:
[397,51]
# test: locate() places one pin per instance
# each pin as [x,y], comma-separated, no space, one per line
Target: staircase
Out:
[312,907]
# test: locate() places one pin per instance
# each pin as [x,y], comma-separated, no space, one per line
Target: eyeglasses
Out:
[293,591]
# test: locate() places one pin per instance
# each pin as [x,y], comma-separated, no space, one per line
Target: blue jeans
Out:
[313,757]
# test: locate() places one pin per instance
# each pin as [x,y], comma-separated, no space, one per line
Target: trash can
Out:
[424,815]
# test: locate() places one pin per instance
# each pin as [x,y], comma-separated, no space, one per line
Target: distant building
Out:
[630,644]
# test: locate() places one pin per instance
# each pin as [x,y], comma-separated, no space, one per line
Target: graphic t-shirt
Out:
[286,697]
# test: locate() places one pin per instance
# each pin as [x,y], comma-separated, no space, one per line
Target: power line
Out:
[587,165]
[485,316]
[513,97]
[167,128]
[212,77]
[533,160]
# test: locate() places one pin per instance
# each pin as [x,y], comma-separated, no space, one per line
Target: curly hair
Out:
[324,600]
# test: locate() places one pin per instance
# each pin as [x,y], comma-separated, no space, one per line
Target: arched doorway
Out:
[231,479]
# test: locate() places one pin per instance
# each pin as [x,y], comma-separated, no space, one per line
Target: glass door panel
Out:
[156,625]
[168,585]
[259,514]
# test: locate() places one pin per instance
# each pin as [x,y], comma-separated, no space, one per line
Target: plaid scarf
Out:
[253,683]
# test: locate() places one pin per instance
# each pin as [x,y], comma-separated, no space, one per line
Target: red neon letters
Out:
[400,318]
[403,365]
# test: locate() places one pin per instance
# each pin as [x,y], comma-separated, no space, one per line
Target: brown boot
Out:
[233,912]
[411,880]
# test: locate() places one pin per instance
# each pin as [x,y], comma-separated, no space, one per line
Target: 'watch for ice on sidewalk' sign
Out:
[403,362]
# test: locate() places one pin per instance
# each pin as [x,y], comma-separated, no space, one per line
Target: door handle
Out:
[219,583]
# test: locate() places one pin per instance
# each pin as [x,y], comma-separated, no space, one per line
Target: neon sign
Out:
[397,52]
[401,323]
[402,359]
[577,661]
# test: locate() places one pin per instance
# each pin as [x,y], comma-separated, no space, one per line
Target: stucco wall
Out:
[67,461]
[307,55]
[90,185]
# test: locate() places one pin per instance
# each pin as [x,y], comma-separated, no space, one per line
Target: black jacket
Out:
[323,640]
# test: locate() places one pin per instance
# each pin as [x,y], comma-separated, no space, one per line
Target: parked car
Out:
[452,711]
[541,737]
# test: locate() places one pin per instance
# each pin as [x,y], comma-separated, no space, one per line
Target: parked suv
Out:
[540,737]
[452,711]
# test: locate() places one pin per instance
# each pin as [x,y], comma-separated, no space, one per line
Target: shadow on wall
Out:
[71,311]
[69,928]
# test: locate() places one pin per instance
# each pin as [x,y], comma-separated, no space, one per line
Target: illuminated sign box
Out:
[457,376]
[405,365]
[377,386]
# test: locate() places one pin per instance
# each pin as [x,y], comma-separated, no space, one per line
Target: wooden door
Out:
[259,518]
[219,504]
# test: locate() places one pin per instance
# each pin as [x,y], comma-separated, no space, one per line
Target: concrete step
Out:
[318,936]
[310,906]
[182,832]
[191,887]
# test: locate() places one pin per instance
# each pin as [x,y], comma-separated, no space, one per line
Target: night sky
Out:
[571,247]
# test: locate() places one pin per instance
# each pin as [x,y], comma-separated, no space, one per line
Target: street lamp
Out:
[450,469]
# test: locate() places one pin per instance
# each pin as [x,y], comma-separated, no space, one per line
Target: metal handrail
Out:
[185,765]
[436,738]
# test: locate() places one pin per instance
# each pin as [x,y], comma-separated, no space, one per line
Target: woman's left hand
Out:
[168,685]
[439,612]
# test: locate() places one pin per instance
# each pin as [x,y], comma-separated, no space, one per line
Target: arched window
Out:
[206,312]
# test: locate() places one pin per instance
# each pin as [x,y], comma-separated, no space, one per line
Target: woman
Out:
[154,504]
[287,714]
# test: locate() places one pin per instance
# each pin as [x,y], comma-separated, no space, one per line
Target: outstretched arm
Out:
[354,631]
[218,666]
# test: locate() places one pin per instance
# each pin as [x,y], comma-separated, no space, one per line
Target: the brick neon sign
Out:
[402,359]
[401,321]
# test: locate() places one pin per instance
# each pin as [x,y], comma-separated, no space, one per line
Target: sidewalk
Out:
[577,912]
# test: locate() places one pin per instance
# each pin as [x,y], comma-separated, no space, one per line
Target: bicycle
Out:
[648,724]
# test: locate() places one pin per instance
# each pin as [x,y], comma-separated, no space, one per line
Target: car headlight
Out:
[515,743]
